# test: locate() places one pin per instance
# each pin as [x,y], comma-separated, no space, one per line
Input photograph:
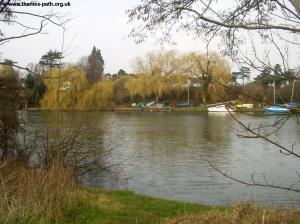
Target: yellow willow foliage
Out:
[6,70]
[221,76]
[145,85]
[157,62]
[138,86]
[131,85]
[157,85]
[155,69]
[210,72]
[64,88]
[97,97]
[176,84]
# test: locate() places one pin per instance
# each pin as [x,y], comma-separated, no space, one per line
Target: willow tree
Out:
[139,86]
[209,72]
[97,97]
[177,84]
[157,67]
[157,85]
[221,74]
[70,87]
[131,86]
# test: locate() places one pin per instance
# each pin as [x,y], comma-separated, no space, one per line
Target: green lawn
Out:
[98,206]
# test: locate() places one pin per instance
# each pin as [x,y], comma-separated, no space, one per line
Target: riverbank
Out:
[34,195]
[118,207]
[201,108]
[100,206]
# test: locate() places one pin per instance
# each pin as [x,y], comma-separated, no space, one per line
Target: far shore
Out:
[200,108]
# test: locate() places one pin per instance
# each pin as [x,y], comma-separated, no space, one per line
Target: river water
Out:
[166,155]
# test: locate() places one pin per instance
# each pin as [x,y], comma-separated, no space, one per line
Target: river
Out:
[166,155]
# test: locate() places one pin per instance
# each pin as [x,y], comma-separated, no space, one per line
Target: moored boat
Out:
[291,105]
[220,108]
[277,109]
[244,106]
[184,105]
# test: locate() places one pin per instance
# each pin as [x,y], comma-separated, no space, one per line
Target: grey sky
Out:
[95,22]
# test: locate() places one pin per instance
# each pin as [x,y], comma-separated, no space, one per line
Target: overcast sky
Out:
[101,23]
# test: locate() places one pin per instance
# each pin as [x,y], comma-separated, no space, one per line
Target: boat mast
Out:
[293,90]
[188,91]
[274,92]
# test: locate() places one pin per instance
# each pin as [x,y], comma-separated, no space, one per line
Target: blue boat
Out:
[277,109]
[184,105]
[293,105]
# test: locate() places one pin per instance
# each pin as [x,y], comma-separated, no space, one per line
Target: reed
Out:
[34,195]
[241,213]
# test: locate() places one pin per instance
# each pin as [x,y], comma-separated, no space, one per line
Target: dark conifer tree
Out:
[95,66]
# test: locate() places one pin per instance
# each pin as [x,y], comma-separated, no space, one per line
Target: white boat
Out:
[150,104]
[277,109]
[220,108]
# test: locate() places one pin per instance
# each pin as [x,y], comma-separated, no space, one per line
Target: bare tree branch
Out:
[254,183]
[247,128]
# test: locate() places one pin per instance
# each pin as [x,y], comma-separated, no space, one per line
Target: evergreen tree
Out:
[244,74]
[289,76]
[278,75]
[235,76]
[52,59]
[122,72]
[265,78]
[95,66]
[29,81]
[34,85]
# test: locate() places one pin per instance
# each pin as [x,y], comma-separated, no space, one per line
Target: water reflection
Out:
[165,154]
[70,137]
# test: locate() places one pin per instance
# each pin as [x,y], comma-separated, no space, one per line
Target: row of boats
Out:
[274,109]
[231,106]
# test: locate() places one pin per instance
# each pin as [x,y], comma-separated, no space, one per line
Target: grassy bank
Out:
[99,206]
[50,195]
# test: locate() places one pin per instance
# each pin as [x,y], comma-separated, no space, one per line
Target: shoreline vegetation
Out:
[200,108]
[130,109]
[79,89]
[51,195]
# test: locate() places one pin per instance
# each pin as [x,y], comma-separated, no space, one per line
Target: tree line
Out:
[161,76]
